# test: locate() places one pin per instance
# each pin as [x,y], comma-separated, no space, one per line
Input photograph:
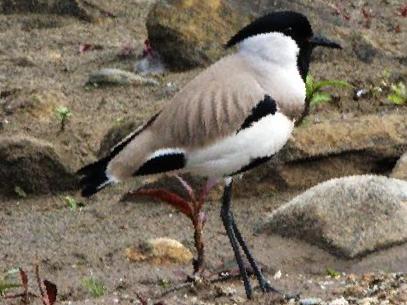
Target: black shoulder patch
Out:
[253,163]
[161,164]
[263,108]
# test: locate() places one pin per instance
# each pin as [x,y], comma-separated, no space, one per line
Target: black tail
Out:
[94,177]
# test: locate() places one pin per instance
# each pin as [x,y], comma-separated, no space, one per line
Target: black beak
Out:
[324,42]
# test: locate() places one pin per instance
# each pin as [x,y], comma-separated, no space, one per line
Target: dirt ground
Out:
[40,53]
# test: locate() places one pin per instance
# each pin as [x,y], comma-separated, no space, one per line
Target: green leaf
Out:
[71,202]
[94,286]
[398,94]
[4,286]
[63,112]
[331,83]
[332,273]
[309,86]
[396,99]
[320,98]
[20,192]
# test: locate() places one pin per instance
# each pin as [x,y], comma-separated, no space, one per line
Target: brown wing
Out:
[213,105]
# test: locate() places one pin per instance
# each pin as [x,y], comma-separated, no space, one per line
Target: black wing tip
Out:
[88,192]
[93,177]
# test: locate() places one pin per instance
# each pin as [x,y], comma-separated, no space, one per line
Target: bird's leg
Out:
[227,220]
[264,284]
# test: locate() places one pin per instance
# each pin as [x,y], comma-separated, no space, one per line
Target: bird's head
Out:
[291,26]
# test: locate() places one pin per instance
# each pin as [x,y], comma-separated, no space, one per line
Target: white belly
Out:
[264,138]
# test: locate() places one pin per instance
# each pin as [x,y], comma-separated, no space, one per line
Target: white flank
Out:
[264,138]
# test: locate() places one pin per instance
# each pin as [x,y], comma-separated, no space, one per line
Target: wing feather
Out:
[212,106]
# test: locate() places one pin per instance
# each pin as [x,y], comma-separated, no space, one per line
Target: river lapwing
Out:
[233,116]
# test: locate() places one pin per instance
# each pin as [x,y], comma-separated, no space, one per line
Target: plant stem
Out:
[199,245]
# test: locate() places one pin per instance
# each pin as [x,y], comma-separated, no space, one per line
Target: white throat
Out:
[275,47]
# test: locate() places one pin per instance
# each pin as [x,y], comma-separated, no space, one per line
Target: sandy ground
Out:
[40,53]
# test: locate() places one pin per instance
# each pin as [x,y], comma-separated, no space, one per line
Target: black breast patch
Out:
[253,163]
[265,107]
[162,163]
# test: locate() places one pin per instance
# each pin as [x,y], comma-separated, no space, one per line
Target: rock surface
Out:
[115,134]
[331,149]
[400,170]
[39,105]
[160,251]
[33,166]
[350,217]
[85,10]
[191,33]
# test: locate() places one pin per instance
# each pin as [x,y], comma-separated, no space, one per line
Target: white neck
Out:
[275,47]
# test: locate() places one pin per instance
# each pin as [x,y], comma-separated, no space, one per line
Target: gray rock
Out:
[400,170]
[63,7]
[32,166]
[119,77]
[189,34]
[349,217]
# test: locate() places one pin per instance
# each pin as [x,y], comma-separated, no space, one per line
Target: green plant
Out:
[315,93]
[94,286]
[71,202]
[332,272]
[9,281]
[63,113]
[398,94]
[20,192]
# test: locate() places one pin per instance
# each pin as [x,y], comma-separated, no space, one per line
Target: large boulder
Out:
[331,149]
[349,217]
[31,166]
[191,33]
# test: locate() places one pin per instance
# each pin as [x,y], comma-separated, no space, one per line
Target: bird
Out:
[233,116]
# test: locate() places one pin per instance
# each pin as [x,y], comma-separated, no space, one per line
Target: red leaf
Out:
[24,279]
[24,282]
[141,299]
[171,198]
[187,187]
[51,290]
[85,47]
[403,11]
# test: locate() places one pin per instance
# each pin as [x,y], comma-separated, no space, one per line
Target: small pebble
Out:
[310,301]
[277,275]
[119,77]
[340,301]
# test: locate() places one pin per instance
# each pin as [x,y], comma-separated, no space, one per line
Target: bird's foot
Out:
[267,288]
